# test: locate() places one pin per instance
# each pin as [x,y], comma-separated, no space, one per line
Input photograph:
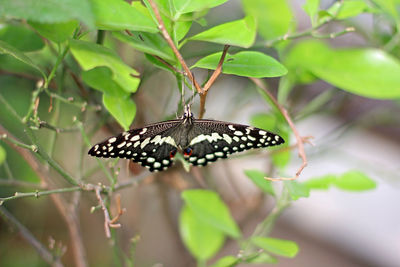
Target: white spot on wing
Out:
[145,142]
[230,126]
[236,138]
[96,147]
[201,161]
[165,161]
[129,144]
[276,137]
[135,138]
[261,132]
[112,140]
[136,144]
[244,138]
[122,152]
[143,131]
[110,148]
[121,145]
[151,160]
[210,156]
[227,138]
[219,154]
[157,165]
[251,138]
[239,133]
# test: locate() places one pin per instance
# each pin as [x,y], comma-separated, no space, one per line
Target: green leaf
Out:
[56,32]
[274,18]
[8,49]
[321,183]
[210,209]
[389,6]
[3,155]
[157,63]
[367,72]
[181,29]
[17,36]
[354,181]
[122,109]
[100,78]
[120,15]
[285,248]
[296,190]
[348,9]
[245,63]
[262,258]
[48,11]
[263,121]
[186,6]
[258,179]
[227,261]
[237,33]
[311,7]
[149,43]
[90,55]
[202,240]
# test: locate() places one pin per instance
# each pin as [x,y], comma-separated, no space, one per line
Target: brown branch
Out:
[107,221]
[211,81]
[300,141]
[164,32]
[167,64]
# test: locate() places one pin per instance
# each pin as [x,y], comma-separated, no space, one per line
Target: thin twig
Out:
[164,32]
[167,64]
[300,141]
[38,193]
[107,221]
[211,81]
[44,253]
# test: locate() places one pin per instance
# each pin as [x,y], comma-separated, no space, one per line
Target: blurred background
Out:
[332,227]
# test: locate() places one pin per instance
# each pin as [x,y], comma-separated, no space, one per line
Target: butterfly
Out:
[200,141]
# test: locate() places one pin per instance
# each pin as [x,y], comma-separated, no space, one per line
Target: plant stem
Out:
[38,194]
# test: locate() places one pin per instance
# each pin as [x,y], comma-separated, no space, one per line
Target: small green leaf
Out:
[210,209]
[17,36]
[149,43]
[367,72]
[100,78]
[245,63]
[237,33]
[3,155]
[276,246]
[227,261]
[354,181]
[296,189]
[274,18]
[56,32]
[263,121]
[182,28]
[202,240]
[311,7]
[262,258]
[348,9]
[321,183]
[8,49]
[90,55]
[157,63]
[120,15]
[122,109]
[186,6]
[48,11]
[258,179]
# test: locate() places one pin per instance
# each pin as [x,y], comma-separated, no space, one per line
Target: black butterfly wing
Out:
[211,140]
[152,146]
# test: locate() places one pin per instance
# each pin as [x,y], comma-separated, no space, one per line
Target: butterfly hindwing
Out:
[211,140]
[151,146]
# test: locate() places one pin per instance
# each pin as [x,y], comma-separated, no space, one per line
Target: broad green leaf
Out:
[56,32]
[237,33]
[281,247]
[227,261]
[100,78]
[263,121]
[348,9]
[186,6]
[210,209]
[262,258]
[389,6]
[367,72]
[120,15]
[48,11]
[149,43]
[202,240]
[2,155]
[181,29]
[8,49]
[354,181]
[122,109]
[257,177]
[245,63]
[274,18]
[90,55]
[21,38]
[296,190]
[311,7]
[321,183]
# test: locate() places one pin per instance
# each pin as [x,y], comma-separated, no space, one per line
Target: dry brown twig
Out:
[300,140]
[201,91]
[107,220]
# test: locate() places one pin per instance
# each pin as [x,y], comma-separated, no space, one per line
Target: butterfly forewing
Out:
[211,140]
[151,146]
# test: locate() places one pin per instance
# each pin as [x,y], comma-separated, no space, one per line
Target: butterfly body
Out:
[200,141]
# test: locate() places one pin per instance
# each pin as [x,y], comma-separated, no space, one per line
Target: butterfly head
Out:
[187,115]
